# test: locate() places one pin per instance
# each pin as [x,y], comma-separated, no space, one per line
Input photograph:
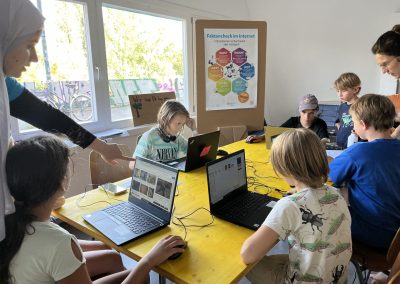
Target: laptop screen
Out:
[154,183]
[225,175]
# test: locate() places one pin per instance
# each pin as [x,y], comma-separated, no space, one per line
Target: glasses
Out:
[387,63]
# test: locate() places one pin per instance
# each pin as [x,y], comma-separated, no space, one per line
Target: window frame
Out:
[97,61]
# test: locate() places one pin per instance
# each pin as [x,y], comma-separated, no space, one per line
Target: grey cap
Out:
[308,102]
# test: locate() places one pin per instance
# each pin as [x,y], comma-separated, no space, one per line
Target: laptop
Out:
[201,149]
[149,206]
[271,132]
[228,194]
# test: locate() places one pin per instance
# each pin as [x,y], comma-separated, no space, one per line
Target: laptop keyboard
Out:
[244,205]
[138,224]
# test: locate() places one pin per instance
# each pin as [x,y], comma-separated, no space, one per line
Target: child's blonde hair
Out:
[347,81]
[299,154]
[375,110]
[168,110]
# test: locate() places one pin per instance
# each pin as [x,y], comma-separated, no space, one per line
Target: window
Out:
[144,55]
[142,51]
[61,75]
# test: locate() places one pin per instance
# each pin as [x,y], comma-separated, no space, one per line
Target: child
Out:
[371,172]
[315,220]
[348,86]
[36,250]
[308,110]
[164,142]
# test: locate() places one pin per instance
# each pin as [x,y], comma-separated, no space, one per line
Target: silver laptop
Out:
[149,207]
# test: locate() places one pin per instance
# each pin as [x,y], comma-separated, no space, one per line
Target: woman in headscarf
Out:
[20,29]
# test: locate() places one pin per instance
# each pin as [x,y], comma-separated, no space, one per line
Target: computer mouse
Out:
[178,254]
[221,152]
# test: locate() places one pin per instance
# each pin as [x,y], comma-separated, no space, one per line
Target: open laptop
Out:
[228,194]
[149,206]
[271,132]
[201,149]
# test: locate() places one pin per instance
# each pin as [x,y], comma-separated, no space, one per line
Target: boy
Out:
[315,221]
[371,172]
[348,86]
[308,110]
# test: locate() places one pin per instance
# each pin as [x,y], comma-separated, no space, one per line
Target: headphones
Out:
[166,138]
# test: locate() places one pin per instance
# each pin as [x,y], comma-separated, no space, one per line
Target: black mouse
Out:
[221,152]
[178,254]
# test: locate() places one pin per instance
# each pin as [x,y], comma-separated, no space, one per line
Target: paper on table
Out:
[334,153]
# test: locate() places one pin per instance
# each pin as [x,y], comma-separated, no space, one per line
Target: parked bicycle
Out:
[68,98]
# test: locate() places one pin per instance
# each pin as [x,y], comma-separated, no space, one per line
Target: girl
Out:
[164,142]
[315,220]
[36,250]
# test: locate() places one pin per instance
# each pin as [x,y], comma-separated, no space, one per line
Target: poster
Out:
[231,57]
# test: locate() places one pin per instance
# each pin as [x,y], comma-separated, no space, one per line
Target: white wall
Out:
[311,42]
[211,9]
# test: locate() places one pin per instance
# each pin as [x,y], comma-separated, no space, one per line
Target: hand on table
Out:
[254,138]
[163,249]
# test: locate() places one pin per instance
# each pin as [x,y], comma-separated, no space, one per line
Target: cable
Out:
[78,201]
[185,226]
[250,165]
[253,181]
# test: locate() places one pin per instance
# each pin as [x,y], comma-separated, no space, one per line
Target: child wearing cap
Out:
[308,109]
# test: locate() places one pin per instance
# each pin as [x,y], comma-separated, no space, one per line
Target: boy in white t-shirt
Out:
[315,220]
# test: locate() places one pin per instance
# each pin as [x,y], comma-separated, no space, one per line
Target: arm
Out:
[341,169]
[48,118]
[80,275]
[53,120]
[110,152]
[157,255]
[277,225]
[258,244]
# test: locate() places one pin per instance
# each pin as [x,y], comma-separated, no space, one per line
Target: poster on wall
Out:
[231,57]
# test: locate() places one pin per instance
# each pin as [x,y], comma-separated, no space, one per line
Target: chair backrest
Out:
[395,99]
[394,277]
[393,258]
[394,248]
[101,172]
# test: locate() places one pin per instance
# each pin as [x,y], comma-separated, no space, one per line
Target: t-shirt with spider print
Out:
[316,224]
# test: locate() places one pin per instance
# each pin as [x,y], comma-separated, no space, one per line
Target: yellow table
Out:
[212,255]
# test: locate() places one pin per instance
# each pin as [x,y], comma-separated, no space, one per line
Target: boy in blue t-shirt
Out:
[348,86]
[371,172]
